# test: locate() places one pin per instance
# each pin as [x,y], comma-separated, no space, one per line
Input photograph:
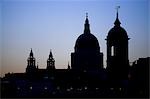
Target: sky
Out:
[56,24]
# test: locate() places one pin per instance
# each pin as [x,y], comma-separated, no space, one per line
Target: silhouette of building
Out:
[139,77]
[31,67]
[86,76]
[50,62]
[117,51]
[87,54]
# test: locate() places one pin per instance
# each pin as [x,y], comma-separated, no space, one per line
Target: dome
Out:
[87,41]
[117,33]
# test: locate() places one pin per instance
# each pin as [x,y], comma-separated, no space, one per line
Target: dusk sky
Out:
[56,24]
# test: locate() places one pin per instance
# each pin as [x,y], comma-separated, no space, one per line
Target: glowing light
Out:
[84,71]
[85,87]
[18,88]
[120,89]
[79,89]
[30,87]
[45,88]
[68,89]
[71,88]
[46,77]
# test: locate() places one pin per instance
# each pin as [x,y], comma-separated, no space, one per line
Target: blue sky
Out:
[55,24]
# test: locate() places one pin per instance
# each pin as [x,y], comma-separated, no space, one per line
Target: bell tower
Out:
[31,67]
[50,61]
[117,51]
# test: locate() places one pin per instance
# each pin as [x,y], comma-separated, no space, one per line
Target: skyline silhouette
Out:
[31,24]
[86,76]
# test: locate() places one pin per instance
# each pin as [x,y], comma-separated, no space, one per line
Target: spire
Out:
[31,63]
[86,15]
[31,53]
[50,55]
[117,22]
[50,61]
[86,25]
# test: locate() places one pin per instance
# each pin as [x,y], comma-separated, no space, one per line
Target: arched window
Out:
[112,51]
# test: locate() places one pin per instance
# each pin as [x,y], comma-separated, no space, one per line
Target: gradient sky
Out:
[55,24]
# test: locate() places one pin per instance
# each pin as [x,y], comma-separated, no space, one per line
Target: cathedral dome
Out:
[117,33]
[87,41]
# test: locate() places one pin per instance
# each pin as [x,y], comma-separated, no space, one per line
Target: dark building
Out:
[139,77]
[117,51]
[87,55]
[86,76]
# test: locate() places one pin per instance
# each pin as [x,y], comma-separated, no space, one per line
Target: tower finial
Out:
[31,53]
[31,50]
[117,8]
[117,22]
[87,25]
[50,55]
[86,15]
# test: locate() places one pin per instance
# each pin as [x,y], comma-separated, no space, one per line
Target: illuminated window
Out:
[79,89]
[46,77]
[18,88]
[112,51]
[30,87]
[120,89]
[68,89]
[85,87]
[45,88]
[84,71]
[71,88]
